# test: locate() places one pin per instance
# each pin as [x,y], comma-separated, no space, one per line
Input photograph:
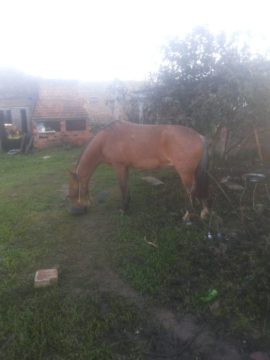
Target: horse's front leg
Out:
[122,175]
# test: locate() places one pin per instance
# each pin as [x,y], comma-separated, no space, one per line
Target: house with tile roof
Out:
[54,112]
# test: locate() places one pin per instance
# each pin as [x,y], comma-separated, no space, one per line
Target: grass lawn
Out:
[109,263]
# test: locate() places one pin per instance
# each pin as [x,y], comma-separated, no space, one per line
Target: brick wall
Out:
[74,137]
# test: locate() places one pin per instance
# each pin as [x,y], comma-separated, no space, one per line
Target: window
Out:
[50,126]
[76,124]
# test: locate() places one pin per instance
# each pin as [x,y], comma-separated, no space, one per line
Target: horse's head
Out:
[78,194]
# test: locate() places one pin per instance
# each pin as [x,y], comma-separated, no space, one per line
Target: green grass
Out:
[185,265]
[36,232]
[51,324]
[75,320]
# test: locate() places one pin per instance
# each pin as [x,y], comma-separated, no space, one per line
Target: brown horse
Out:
[123,144]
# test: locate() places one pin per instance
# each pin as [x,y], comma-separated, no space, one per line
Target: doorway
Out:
[24,121]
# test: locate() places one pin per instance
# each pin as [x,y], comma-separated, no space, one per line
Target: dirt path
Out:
[192,337]
[89,269]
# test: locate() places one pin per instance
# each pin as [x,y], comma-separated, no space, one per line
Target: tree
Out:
[210,83]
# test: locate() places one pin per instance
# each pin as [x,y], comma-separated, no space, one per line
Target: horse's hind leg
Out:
[188,180]
[205,210]
[191,188]
[122,175]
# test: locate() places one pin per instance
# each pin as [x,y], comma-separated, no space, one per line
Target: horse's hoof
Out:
[186,217]
[204,214]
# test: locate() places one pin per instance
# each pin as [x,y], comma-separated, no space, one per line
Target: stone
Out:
[152,180]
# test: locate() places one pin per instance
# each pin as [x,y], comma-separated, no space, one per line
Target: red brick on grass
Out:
[46,277]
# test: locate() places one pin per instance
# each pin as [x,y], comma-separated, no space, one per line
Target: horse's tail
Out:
[201,175]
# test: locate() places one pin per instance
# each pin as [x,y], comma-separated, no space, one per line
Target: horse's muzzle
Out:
[78,210]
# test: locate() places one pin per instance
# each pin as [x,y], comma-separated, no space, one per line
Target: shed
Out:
[18,94]
[59,116]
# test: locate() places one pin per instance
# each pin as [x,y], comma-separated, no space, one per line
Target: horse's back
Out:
[148,146]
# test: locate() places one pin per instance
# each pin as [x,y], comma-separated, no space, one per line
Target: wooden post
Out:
[258,144]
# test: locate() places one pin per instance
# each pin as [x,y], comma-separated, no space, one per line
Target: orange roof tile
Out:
[56,108]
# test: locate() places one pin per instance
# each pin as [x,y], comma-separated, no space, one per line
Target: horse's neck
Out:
[89,160]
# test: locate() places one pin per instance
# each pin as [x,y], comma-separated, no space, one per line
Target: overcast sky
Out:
[109,39]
